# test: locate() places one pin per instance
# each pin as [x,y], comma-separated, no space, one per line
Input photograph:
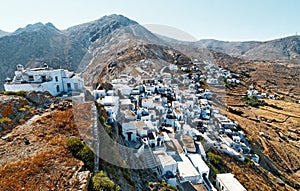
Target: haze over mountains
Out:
[89,46]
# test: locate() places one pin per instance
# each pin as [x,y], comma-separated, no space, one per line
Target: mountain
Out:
[98,30]
[287,48]
[280,49]
[71,49]
[231,48]
[3,33]
[36,44]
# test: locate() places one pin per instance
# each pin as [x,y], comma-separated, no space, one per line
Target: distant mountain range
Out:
[92,46]
[287,48]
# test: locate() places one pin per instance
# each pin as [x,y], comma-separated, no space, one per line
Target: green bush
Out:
[86,154]
[21,120]
[237,112]
[22,109]
[161,186]
[214,158]
[75,145]
[9,93]
[249,162]
[27,107]
[254,102]
[19,93]
[100,182]
[82,152]
[4,120]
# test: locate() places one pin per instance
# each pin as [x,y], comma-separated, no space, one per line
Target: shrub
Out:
[4,120]
[254,102]
[86,154]
[82,152]
[22,109]
[21,120]
[9,93]
[21,93]
[249,162]
[102,183]
[237,112]
[27,107]
[214,158]
[75,145]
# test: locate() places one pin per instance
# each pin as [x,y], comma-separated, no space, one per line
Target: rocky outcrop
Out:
[35,155]
[13,110]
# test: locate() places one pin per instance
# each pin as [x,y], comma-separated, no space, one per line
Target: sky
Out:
[229,20]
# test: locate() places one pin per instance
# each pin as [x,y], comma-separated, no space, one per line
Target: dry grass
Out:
[46,163]
[276,123]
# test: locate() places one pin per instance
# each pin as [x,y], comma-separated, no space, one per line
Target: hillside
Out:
[280,49]
[37,150]
[287,48]
[231,48]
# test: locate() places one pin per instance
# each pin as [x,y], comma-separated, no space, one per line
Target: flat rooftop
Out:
[230,182]
[186,168]
[164,158]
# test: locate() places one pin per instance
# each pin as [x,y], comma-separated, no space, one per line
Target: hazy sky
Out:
[218,19]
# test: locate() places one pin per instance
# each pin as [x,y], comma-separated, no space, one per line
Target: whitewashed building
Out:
[55,81]
[187,171]
[227,182]
[167,163]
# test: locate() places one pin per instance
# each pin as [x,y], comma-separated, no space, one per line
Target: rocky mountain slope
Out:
[287,48]
[280,49]
[231,48]
[37,44]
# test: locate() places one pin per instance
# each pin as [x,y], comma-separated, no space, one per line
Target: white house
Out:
[129,131]
[125,104]
[55,81]
[144,127]
[199,164]
[99,93]
[227,182]
[173,67]
[147,103]
[187,171]
[167,163]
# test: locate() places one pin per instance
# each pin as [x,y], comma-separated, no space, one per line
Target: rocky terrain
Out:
[35,155]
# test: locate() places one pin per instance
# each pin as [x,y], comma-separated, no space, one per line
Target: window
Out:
[69,85]
[56,78]
[43,78]
[31,78]
[75,86]
[222,187]
[57,88]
